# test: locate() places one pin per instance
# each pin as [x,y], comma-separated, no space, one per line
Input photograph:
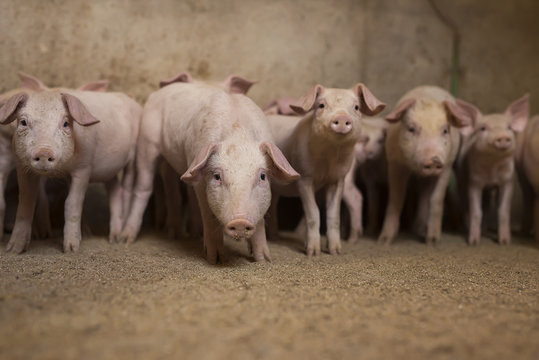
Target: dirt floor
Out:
[159,299]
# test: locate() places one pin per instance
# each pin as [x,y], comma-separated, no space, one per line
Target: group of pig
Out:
[240,159]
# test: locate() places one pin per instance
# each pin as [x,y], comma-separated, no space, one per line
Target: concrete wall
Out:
[391,45]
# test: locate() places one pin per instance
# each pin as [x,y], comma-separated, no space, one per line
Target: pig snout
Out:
[341,124]
[433,166]
[43,159]
[239,229]
[503,142]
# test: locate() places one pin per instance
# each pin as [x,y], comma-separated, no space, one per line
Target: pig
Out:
[527,165]
[280,106]
[221,142]
[487,159]
[423,139]
[86,135]
[372,167]
[29,84]
[320,145]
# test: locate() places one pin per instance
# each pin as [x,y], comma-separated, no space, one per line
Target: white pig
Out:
[88,136]
[527,164]
[222,144]
[487,159]
[422,140]
[320,145]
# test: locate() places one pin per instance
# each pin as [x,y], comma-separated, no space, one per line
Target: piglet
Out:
[423,140]
[220,141]
[88,136]
[320,145]
[486,160]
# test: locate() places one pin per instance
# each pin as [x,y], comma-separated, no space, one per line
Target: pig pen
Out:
[159,298]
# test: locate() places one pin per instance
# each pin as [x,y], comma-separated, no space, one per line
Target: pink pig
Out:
[527,164]
[280,106]
[320,145]
[222,144]
[89,136]
[486,159]
[423,140]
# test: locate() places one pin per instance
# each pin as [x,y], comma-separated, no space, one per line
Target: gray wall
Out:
[391,45]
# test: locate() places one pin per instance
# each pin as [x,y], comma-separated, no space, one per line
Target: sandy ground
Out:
[159,299]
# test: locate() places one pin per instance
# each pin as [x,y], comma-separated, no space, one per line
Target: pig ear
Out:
[281,169]
[398,113]
[462,115]
[235,84]
[519,112]
[194,173]
[182,77]
[98,86]
[370,105]
[306,102]
[78,111]
[31,82]
[8,110]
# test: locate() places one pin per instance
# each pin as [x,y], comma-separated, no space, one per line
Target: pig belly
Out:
[107,169]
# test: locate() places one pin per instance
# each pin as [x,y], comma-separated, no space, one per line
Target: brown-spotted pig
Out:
[422,140]
[86,135]
[320,145]
[527,164]
[487,160]
[222,144]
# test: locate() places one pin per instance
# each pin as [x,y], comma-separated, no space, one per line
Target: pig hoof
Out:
[313,251]
[337,251]
[505,240]
[352,239]
[71,245]
[385,240]
[473,241]
[16,247]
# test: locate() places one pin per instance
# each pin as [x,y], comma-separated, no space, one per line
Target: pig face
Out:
[337,112]
[43,140]
[237,182]
[496,133]
[373,136]
[426,132]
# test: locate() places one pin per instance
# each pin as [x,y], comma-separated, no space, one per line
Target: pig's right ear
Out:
[281,169]
[8,110]
[462,114]
[195,171]
[398,113]
[78,111]
[31,82]
[235,84]
[182,77]
[307,101]
[98,86]
[519,112]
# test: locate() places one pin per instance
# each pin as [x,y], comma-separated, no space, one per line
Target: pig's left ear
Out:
[31,82]
[519,112]
[369,104]
[182,77]
[98,86]
[235,84]
[78,111]
[307,101]
[462,114]
[281,169]
[8,110]
[195,171]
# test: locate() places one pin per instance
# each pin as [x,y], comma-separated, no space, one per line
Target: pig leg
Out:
[3,181]
[214,248]
[258,246]
[159,208]
[476,213]
[173,200]
[398,177]
[354,201]
[527,204]
[436,207]
[504,213]
[147,157]
[373,201]
[333,206]
[115,193]
[423,210]
[273,223]
[312,216]
[43,218]
[128,181]
[22,231]
[195,220]
[536,217]
[73,210]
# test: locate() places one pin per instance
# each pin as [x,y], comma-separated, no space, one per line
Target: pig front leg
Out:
[527,204]
[214,248]
[73,210]
[3,181]
[115,193]
[436,207]
[195,219]
[504,213]
[128,182]
[43,227]
[333,206]
[476,213]
[312,216]
[173,200]
[398,176]
[258,246]
[22,231]
[373,206]
[354,201]
[536,216]
[273,225]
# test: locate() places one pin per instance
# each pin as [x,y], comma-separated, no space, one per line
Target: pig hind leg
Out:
[173,199]
[354,202]
[115,194]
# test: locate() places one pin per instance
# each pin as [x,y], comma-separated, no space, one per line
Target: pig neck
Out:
[490,168]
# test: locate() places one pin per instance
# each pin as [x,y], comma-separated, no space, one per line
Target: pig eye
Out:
[321,106]
[23,122]
[66,124]
[262,176]
[446,131]
[356,107]
[411,129]
[483,128]
[217,177]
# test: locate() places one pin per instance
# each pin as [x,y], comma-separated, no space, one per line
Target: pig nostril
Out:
[348,123]
[233,228]
[248,228]
[336,122]
[51,159]
[36,158]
